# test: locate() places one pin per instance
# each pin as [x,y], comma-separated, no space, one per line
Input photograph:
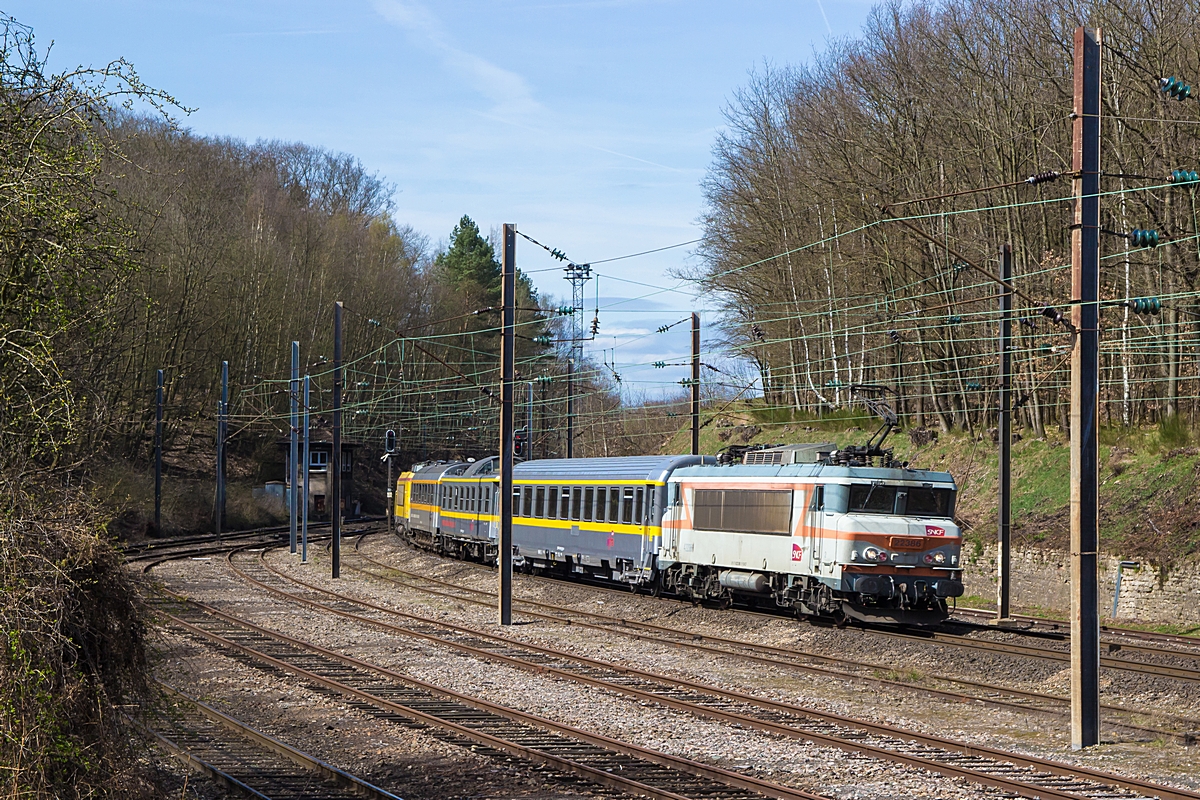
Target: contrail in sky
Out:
[821,6]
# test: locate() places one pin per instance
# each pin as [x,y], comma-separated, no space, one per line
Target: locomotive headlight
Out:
[874,554]
[939,558]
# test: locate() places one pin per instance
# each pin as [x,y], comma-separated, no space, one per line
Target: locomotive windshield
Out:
[913,501]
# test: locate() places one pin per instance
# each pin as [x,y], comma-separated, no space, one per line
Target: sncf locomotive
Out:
[805,528]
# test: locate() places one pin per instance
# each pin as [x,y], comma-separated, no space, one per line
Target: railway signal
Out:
[520,442]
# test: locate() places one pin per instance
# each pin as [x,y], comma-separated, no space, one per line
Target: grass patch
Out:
[1173,431]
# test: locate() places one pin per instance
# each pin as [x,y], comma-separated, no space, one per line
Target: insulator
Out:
[1028,322]
[595,325]
[959,266]
[566,311]
[559,254]
[974,386]
[544,378]
[954,319]
[1184,176]
[757,332]
[1053,314]
[894,336]
[1175,88]
[1144,237]
[660,365]
[663,328]
[833,384]
[1043,177]
[543,340]
[1145,305]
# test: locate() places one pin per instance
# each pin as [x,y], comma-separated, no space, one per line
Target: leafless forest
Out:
[856,207]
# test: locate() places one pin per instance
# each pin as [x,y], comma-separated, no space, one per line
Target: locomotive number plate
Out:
[903,543]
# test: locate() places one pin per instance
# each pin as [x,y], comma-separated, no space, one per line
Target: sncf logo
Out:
[934,530]
[797,553]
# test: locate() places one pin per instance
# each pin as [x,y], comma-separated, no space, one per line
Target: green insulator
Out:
[954,319]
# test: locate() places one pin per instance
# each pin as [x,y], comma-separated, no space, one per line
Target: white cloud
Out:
[508,91]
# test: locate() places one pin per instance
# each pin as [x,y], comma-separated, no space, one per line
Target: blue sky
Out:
[588,124]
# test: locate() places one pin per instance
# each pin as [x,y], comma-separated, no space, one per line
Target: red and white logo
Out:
[797,553]
[934,530]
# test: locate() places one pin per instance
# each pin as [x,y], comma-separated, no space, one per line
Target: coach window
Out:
[627,506]
[601,504]
[539,501]
[551,502]
[527,504]
[564,510]
[576,503]
[639,498]
[589,497]
[614,504]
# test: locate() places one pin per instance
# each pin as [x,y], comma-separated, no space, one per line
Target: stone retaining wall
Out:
[1041,579]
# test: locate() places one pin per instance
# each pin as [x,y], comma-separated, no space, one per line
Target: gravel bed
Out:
[412,763]
[907,658]
[829,771]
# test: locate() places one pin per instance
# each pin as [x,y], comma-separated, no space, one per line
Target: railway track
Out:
[487,727]
[247,761]
[1128,638]
[1021,775]
[1189,674]
[837,666]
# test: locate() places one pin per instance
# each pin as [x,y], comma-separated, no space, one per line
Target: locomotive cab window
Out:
[929,502]
[874,498]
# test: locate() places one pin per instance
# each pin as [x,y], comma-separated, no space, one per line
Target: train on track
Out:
[808,528]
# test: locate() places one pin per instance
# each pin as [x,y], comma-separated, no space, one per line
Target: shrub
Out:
[72,648]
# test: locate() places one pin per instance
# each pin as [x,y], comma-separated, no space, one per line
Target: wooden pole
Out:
[1085,391]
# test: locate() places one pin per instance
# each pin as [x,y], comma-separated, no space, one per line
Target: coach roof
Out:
[627,468]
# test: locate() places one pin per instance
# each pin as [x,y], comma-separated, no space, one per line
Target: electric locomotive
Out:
[793,528]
